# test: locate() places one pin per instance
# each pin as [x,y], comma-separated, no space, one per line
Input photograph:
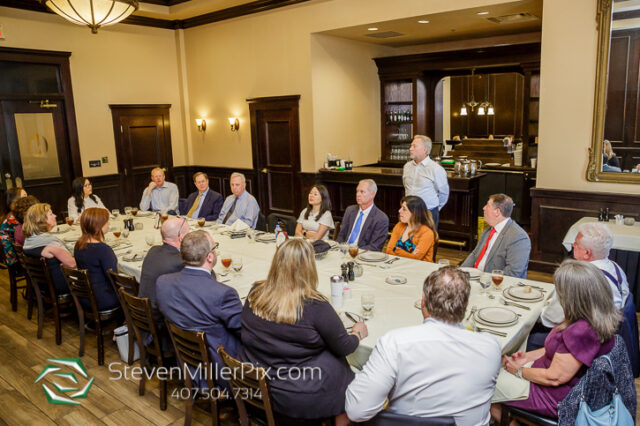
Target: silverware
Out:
[517,305]
[490,331]
[474,308]
[351,317]
[390,261]
[520,284]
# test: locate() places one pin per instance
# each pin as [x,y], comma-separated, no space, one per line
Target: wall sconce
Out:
[202,124]
[234,123]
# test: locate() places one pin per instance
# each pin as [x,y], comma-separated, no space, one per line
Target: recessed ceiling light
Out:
[483,13]
[373,29]
[423,22]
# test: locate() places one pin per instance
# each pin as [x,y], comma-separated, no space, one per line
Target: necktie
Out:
[195,205]
[484,249]
[356,229]
[230,212]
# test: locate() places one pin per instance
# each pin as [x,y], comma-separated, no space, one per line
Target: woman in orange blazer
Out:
[415,235]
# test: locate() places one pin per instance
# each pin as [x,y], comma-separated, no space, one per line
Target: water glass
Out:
[497,275]
[226,263]
[125,232]
[115,213]
[150,239]
[444,262]
[485,282]
[138,226]
[368,301]
[127,210]
[236,264]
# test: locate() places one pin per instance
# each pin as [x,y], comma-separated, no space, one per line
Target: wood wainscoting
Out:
[553,213]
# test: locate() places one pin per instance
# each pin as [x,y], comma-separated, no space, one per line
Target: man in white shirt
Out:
[425,178]
[436,369]
[503,244]
[160,196]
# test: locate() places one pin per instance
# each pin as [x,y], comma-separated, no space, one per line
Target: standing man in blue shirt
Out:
[204,202]
[240,204]
[425,178]
[160,196]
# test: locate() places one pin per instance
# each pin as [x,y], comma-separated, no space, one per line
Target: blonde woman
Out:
[38,221]
[609,157]
[290,327]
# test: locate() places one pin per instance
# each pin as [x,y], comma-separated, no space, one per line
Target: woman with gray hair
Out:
[587,332]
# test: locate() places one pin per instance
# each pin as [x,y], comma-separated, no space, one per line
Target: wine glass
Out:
[353,250]
[444,262]
[117,231]
[125,232]
[497,275]
[226,262]
[368,301]
[201,222]
[127,210]
[115,213]
[485,282]
[69,221]
[236,264]
[134,211]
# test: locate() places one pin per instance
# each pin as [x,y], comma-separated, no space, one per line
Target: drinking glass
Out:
[165,216]
[115,213]
[444,262]
[485,282]
[150,239]
[226,262]
[497,275]
[125,232]
[134,211]
[127,210]
[236,264]
[353,250]
[117,231]
[344,248]
[69,221]
[138,226]
[368,301]
[201,221]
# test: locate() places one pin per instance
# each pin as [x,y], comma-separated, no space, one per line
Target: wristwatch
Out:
[519,372]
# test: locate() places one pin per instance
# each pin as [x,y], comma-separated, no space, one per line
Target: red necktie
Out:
[484,249]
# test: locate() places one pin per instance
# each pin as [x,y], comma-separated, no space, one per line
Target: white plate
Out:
[418,304]
[373,256]
[493,324]
[133,257]
[492,164]
[497,316]
[143,214]
[396,280]
[518,294]
[474,273]
[266,238]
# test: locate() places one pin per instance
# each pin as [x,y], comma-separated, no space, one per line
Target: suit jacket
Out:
[160,260]
[211,205]
[510,252]
[374,229]
[192,299]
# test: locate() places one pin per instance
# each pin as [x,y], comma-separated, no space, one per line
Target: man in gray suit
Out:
[503,244]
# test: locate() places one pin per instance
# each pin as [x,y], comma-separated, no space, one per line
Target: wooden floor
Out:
[111,402]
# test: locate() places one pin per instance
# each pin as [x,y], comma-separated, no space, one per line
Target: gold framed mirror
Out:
[614,155]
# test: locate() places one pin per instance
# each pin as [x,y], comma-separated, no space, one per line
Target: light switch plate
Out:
[105,160]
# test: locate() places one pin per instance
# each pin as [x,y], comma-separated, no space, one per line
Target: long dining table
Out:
[395,305]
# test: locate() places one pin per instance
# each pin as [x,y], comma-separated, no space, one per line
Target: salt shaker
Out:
[352,275]
[606,214]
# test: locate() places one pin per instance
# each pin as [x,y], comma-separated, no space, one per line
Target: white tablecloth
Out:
[624,237]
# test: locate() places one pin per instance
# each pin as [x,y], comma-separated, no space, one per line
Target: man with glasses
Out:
[193,299]
[163,259]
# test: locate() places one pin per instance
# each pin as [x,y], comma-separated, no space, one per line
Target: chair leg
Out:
[131,343]
[40,316]
[141,385]
[30,297]
[82,333]
[100,346]
[214,411]
[163,393]
[187,410]
[505,418]
[58,323]
[14,290]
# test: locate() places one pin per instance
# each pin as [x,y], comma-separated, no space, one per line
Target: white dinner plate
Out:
[396,279]
[266,238]
[492,164]
[497,316]
[518,294]
[143,214]
[474,273]
[373,256]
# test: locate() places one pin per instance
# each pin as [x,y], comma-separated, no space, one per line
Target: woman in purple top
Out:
[590,324]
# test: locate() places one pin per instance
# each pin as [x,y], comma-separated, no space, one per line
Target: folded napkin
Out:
[320,246]
[238,226]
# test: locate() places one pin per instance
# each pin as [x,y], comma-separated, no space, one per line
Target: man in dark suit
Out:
[204,202]
[161,260]
[193,299]
[503,244]
[364,224]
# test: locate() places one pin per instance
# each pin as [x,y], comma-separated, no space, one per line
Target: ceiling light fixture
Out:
[372,29]
[93,13]
[422,21]
[484,108]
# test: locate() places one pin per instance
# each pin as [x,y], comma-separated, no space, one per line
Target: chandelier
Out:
[93,13]
[484,108]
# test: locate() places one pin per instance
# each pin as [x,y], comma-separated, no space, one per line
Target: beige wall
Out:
[123,64]
[567,81]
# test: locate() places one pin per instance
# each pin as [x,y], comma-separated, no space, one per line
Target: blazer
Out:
[211,205]
[374,229]
[510,252]
[192,299]
[424,241]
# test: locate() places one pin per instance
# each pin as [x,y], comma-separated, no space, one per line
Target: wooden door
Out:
[275,139]
[36,154]
[143,142]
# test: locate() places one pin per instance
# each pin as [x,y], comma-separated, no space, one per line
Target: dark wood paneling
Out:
[554,211]
[107,187]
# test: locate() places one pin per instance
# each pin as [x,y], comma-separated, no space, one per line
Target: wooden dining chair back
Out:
[192,353]
[105,321]
[130,285]
[44,293]
[16,274]
[28,288]
[336,230]
[139,319]
[249,385]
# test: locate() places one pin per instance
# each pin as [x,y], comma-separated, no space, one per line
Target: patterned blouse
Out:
[407,245]
[7,228]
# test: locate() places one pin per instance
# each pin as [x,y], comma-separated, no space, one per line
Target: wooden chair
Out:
[524,417]
[288,222]
[139,317]
[131,286]
[16,274]
[191,351]
[31,300]
[44,293]
[250,385]
[386,418]
[336,230]
[105,321]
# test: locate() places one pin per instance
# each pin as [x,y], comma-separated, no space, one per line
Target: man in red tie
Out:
[503,244]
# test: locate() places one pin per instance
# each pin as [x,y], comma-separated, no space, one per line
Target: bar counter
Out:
[458,218]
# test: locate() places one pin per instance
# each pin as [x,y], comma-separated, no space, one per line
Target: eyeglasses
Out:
[215,246]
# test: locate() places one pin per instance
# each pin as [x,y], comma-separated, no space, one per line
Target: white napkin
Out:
[238,226]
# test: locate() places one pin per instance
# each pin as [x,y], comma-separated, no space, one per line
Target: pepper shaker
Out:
[352,275]
[601,216]
[344,271]
[606,214]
